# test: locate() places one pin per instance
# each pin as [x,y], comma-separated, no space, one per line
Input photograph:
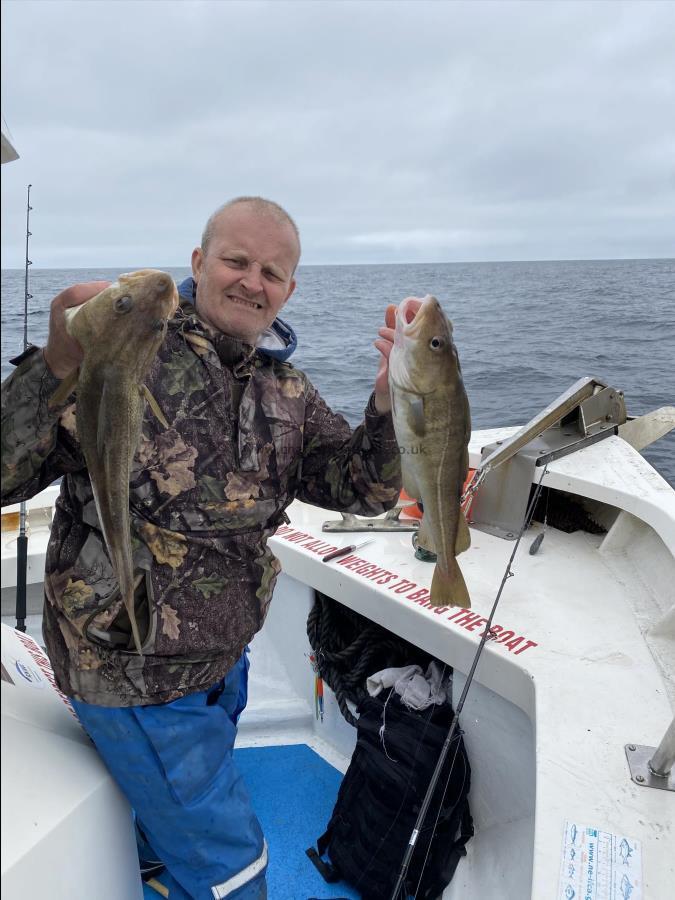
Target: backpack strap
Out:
[465,829]
[328,872]
[458,848]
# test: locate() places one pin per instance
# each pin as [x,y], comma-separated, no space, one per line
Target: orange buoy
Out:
[414,512]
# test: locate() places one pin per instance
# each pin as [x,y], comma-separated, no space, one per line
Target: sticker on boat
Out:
[599,865]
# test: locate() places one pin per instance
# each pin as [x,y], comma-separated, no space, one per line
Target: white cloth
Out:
[416,690]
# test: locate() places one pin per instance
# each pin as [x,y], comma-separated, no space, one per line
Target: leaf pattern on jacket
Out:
[169,462]
[248,435]
[167,547]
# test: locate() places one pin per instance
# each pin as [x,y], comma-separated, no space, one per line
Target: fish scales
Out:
[120,332]
[432,422]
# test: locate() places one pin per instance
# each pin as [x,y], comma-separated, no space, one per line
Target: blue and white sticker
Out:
[599,865]
[28,674]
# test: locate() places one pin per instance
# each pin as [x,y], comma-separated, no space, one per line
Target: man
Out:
[248,434]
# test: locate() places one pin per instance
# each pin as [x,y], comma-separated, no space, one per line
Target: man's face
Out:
[246,275]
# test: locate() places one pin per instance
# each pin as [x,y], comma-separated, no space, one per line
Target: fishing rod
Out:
[22,540]
[399,893]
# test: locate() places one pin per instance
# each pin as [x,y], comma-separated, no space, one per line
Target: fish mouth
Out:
[409,321]
[243,301]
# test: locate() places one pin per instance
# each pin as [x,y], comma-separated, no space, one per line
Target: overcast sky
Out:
[392,132]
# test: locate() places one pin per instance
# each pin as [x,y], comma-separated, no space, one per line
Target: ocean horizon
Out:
[525,330]
[462,262]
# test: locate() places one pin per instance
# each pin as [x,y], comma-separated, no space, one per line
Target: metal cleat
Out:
[390,522]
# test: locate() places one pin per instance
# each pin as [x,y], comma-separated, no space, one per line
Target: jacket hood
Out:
[278,341]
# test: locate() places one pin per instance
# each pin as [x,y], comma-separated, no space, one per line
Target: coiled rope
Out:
[348,648]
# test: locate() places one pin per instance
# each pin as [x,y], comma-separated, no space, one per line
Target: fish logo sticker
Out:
[599,865]
[625,851]
[626,887]
[29,674]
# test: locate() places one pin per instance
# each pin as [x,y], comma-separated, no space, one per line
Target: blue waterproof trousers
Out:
[174,764]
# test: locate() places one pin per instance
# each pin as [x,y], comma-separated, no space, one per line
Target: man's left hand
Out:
[384,344]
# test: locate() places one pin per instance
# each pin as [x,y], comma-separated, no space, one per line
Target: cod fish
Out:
[432,422]
[120,331]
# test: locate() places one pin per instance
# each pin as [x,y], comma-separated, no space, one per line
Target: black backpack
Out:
[380,797]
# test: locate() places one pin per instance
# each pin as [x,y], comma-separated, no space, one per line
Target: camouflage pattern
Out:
[248,434]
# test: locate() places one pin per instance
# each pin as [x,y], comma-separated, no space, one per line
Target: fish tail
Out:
[448,588]
[121,559]
[128,590]
[134,630]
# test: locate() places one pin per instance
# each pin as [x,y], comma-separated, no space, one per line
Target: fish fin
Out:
[449,588]
[102,424]
[424,537]
[416,417]
[463,539]
[65,389]
[154,405]
[409,481]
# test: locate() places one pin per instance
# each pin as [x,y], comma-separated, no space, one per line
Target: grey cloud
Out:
[391,131]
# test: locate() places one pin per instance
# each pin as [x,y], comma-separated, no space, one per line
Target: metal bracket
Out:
[639,756]
[390,522]
[588,412]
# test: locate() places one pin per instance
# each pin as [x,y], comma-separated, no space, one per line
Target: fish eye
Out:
[123,304]
[436,343]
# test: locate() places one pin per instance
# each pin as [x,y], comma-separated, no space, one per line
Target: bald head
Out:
[244,269]
[266,209]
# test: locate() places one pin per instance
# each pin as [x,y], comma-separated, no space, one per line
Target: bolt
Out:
[631,746]
[640,778]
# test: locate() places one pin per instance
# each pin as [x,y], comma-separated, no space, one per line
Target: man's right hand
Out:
[62,353]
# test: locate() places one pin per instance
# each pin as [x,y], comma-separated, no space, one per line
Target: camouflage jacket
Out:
[248,434]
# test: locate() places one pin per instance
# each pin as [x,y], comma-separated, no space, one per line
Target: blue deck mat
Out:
[293,791]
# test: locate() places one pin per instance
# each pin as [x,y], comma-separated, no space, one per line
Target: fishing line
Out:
[438,814]
[22,540]
[410,849]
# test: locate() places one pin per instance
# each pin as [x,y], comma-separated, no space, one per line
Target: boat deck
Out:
[293,790]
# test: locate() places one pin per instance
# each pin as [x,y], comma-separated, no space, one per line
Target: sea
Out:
[525,331]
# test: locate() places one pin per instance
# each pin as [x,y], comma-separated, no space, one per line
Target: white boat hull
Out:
[582,664]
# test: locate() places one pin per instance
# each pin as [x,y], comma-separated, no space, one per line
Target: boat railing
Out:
[661,763]
[653,767]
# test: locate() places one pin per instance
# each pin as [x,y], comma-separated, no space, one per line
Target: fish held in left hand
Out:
[432,423]
[120,331]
